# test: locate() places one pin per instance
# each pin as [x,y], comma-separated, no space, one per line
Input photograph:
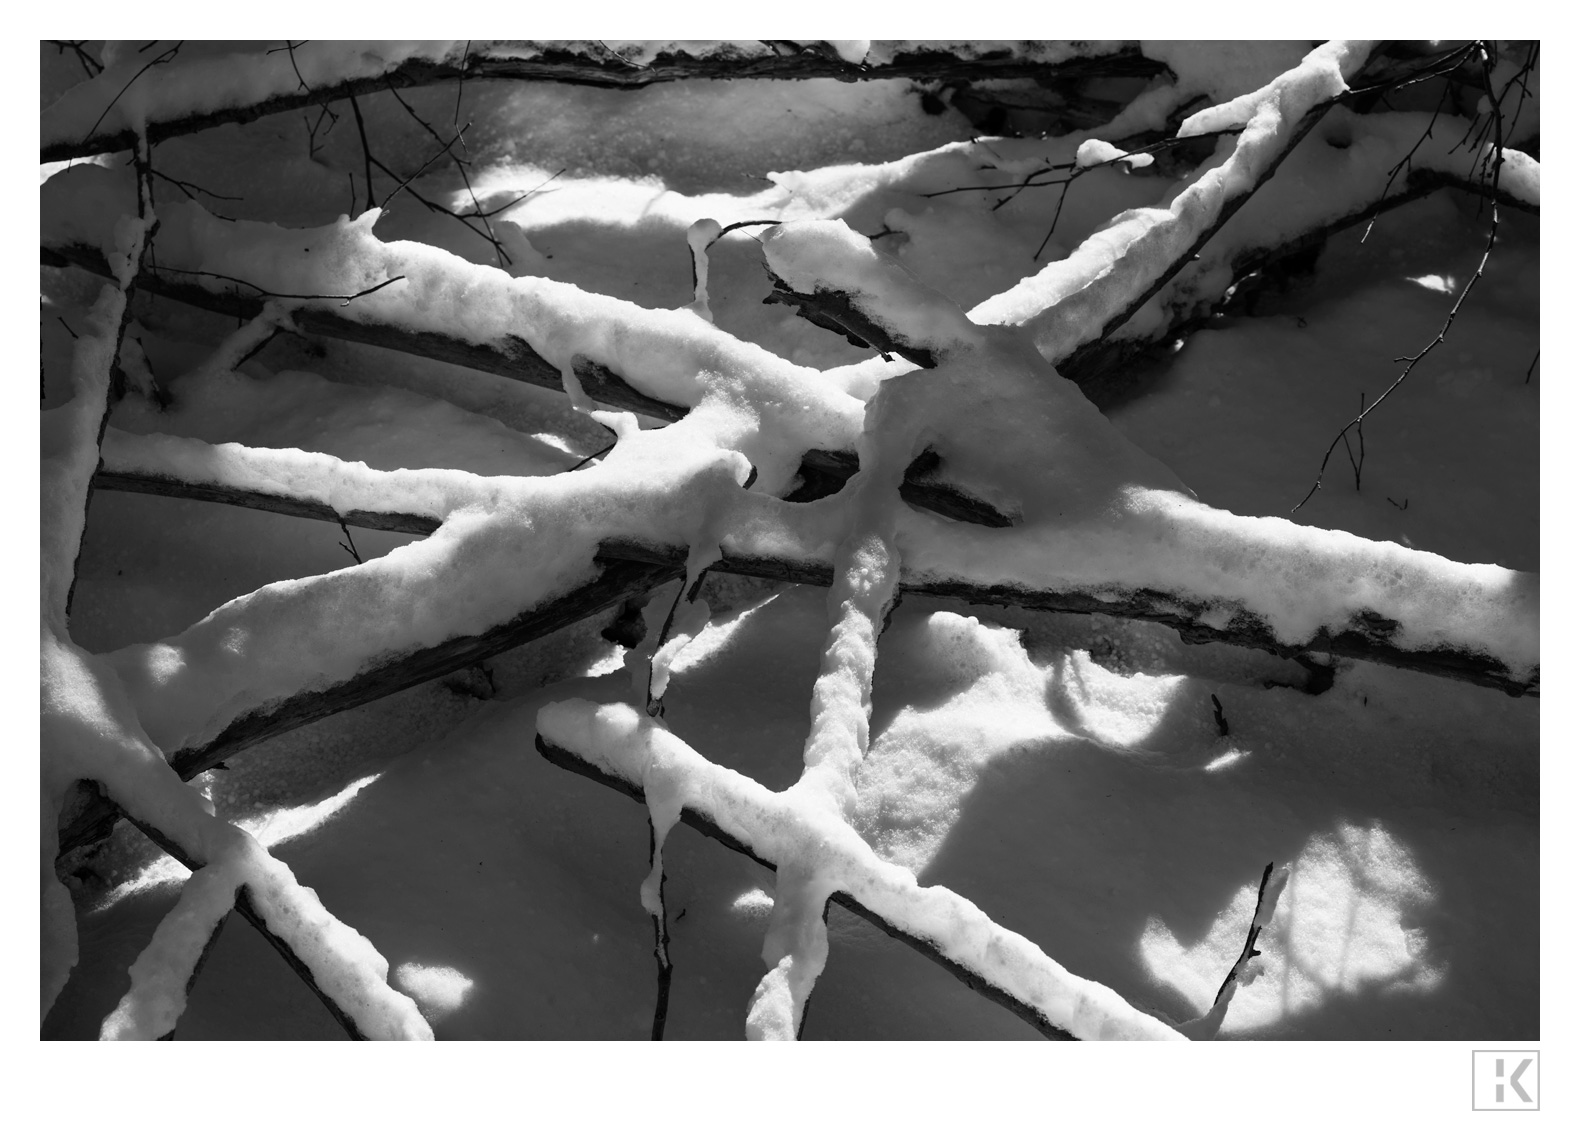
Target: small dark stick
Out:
[1217,714]
[349,545]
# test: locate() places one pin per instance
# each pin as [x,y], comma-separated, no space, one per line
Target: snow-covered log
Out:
[181,95]
[1367,635]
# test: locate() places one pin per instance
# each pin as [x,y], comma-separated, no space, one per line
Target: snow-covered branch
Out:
[792,828]
[1102,284]
[191,94]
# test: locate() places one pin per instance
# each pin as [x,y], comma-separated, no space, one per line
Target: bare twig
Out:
[90,65]
[444,151]
[164,57]
[367,155]
[290,49]
[1411,361]
[655,705]
[460,165]
[187,188]
[660,944]
[599,454]
[460,82]
[266,294]
[1405,163]
[348,544]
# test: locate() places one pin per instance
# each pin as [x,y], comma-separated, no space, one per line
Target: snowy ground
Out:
[1063,772]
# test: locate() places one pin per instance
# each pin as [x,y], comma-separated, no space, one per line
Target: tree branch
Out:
[512,357]
[558,64]
[1367,637]
[705,825]
[616,582]
[247,911]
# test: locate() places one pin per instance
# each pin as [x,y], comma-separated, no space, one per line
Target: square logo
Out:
[1505,1080]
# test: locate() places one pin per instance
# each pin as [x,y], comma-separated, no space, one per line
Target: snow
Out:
[1355,888]
[1225,69]
[1067,303]
[438,989]
[1094,153]
[1031,762]
[801,833]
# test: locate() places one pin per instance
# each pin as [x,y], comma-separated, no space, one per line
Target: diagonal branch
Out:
[246,910]
[1369,636]
[781,828]
[704,824]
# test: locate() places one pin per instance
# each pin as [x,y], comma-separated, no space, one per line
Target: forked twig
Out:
[1411,361]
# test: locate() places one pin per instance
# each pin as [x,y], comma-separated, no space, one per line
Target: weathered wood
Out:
[705,825]
[796,64]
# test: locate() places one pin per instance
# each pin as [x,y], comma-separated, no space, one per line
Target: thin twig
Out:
[460,82]
[264,292]
[187,188]
[290,49]
[444,151]
[348,544]
[367,155]
[460,165]
[1411,361]
[595,455]
[1406,162]
[655,706]
[1250,951]
[90,65]
[164,57]
[660,943]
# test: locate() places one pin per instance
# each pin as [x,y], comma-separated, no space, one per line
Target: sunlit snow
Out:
[1347,923]
[438,989]
[270,828]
